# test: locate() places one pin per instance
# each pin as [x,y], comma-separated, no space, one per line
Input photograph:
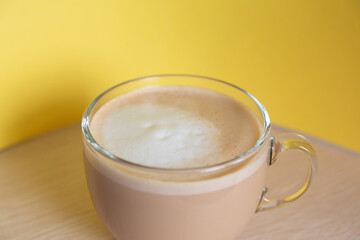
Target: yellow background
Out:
[300,58]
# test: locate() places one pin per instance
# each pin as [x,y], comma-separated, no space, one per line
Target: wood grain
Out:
[44,195]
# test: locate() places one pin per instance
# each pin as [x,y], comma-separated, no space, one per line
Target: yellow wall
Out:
[300,58]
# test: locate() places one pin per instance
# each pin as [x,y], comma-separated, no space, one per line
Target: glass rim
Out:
[85,126]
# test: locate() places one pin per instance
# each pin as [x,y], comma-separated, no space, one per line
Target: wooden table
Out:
[43,195]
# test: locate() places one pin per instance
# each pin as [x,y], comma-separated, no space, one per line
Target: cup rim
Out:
[85,126]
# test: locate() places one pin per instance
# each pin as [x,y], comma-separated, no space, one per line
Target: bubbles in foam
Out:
[175,127]
[161,136]
[148,125]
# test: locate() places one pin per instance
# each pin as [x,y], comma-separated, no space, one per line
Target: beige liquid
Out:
[174,127]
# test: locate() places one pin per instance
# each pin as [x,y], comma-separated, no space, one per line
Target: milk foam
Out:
[153,134]
[175,127]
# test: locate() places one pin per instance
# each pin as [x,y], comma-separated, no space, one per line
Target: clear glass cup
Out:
[137,202]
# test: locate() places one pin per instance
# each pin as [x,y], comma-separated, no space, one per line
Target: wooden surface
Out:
[43,195]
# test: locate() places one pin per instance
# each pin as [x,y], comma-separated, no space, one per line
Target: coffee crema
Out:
[175,127]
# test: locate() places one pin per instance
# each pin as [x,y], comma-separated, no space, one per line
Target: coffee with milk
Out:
[172,128]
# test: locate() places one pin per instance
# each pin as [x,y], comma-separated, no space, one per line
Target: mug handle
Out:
[279,144]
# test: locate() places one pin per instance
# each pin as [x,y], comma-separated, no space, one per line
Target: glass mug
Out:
[137,202]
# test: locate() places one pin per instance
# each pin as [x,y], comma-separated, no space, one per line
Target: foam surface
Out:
[175,127]
[157,135]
